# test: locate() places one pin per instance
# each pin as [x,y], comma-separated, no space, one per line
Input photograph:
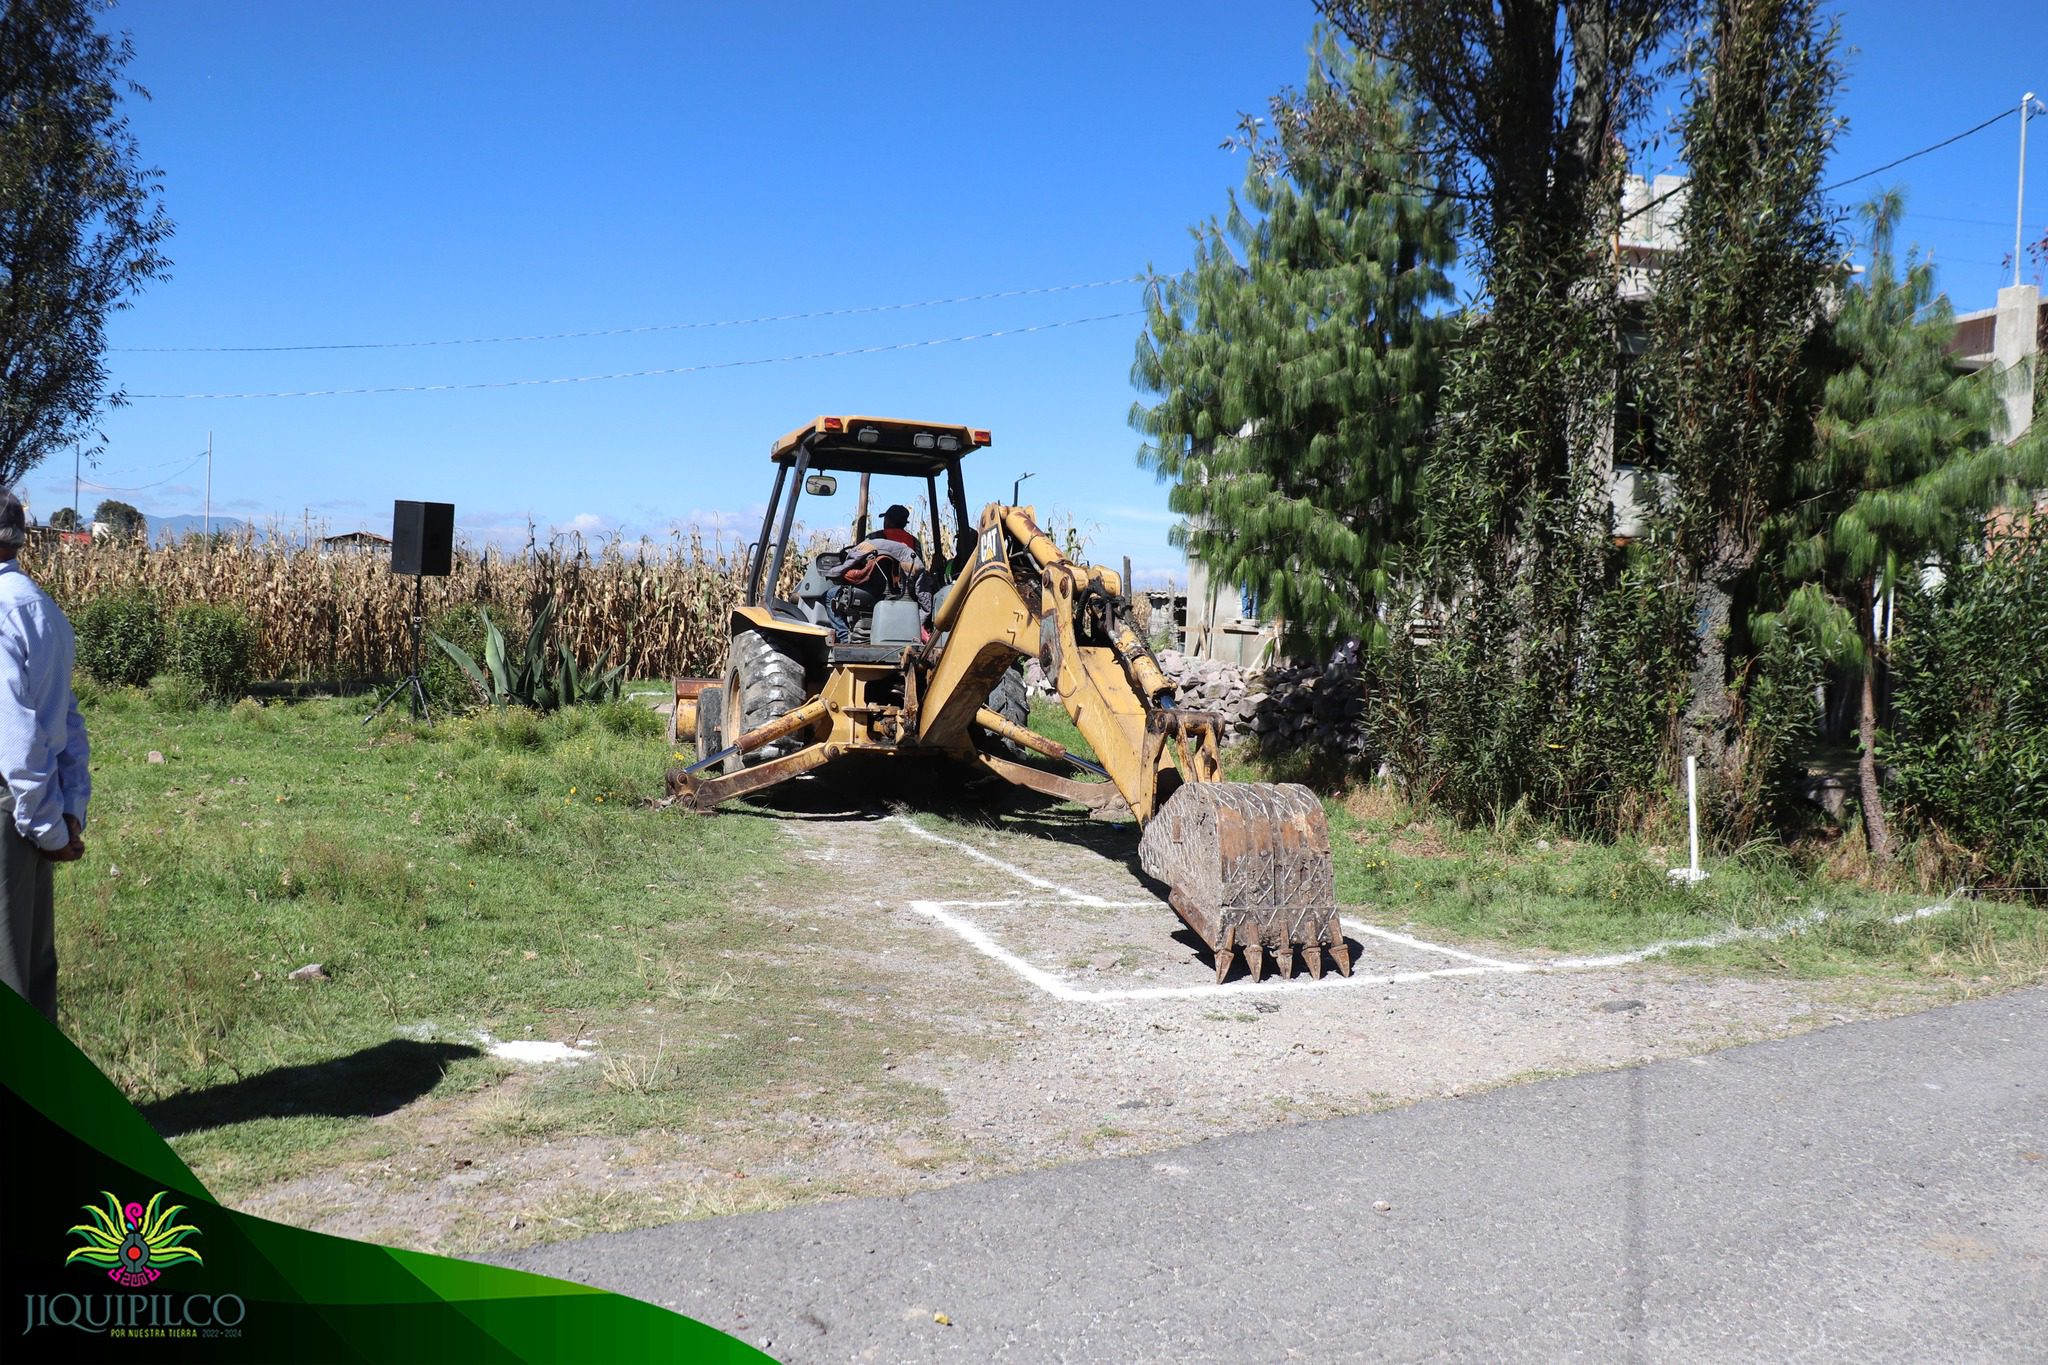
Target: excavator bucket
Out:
[1247,865]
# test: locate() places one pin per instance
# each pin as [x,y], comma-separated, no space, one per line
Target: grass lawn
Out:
[502,873]
[1522,885]
[507,876]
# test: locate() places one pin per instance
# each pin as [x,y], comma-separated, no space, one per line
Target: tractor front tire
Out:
[764,684]
[1012,701]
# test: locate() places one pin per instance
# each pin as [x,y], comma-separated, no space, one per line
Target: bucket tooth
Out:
[1314,953]
[1226,953]
[1339,949]
[1285,954]
[1254,960]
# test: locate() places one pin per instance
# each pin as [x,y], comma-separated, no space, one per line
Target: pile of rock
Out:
[1318,708]
[1281,708]
[1237,695]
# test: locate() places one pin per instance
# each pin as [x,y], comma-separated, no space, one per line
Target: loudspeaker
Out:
[422,538]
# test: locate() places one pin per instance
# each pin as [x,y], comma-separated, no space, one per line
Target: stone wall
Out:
[1281,708]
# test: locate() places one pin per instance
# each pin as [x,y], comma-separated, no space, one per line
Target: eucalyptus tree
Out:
[1732,379]
[82,225]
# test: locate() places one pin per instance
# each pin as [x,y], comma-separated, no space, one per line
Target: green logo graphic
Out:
[134,1243]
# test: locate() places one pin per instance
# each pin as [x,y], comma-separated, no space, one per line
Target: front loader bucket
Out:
[1247,865]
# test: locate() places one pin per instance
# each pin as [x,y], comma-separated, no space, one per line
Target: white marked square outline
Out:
[1058,987]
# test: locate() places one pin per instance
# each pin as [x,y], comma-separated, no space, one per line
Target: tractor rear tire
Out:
[710,714]
[764,684]
[1011,700]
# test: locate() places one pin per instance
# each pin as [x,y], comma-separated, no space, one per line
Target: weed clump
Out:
[176,693]
[629,720]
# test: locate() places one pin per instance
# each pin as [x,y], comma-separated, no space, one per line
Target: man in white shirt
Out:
[43,760]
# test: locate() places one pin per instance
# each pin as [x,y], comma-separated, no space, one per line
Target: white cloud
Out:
[587,524]
[718,526]
[1160,574]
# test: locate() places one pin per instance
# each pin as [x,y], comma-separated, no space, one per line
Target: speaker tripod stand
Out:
[411,681]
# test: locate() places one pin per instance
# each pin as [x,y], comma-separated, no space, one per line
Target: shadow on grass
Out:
[375,1081]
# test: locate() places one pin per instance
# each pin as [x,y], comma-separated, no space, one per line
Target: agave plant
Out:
[538,676]
[132,1243]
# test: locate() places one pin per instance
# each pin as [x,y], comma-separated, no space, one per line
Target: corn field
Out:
[342,615]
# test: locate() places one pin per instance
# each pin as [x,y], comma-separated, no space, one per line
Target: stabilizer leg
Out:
[704,793]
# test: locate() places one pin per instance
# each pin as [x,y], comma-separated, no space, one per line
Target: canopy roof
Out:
[880,445]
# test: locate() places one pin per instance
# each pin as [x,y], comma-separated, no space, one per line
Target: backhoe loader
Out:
[913,653]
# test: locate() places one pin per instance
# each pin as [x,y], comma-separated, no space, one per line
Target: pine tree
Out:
[1296,365]
[1904,469]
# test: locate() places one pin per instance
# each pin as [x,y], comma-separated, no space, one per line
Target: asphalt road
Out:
[1873,1192]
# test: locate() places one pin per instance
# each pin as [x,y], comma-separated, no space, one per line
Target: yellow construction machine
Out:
[891,649]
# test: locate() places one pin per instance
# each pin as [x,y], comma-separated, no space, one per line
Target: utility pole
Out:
[76,515]
[209,488]
[2019,217]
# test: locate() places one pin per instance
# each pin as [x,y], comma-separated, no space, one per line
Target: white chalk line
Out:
[1360,926]
[979,939]
[1098,903]
[1078,897]
[1393,936]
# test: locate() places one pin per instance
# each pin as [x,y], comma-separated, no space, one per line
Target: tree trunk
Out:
[1876,832]
[1707,711]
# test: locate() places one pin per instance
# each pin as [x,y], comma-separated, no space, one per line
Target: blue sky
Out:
[376,172]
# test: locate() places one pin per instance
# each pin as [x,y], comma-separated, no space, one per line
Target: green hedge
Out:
[121,639]
[1970,713]
[212,646]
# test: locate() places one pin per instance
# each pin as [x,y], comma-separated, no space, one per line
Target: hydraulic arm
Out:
[1246,864]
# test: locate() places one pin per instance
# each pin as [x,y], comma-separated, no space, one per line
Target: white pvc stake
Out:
[1692,812]
[1691,872]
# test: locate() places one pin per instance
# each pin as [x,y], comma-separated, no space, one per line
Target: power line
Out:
[1947,218]
[797,317]
[1684,184]
[646,374]
[139,487]
[2008,113]
[1862,175]
[152,466]
[652,327]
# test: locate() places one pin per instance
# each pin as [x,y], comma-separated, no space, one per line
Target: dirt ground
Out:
[1064,1013]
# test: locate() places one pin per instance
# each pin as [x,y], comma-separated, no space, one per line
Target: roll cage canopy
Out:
[863,446]
[879,445]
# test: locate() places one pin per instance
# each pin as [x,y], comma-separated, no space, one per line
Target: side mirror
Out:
[820,485]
